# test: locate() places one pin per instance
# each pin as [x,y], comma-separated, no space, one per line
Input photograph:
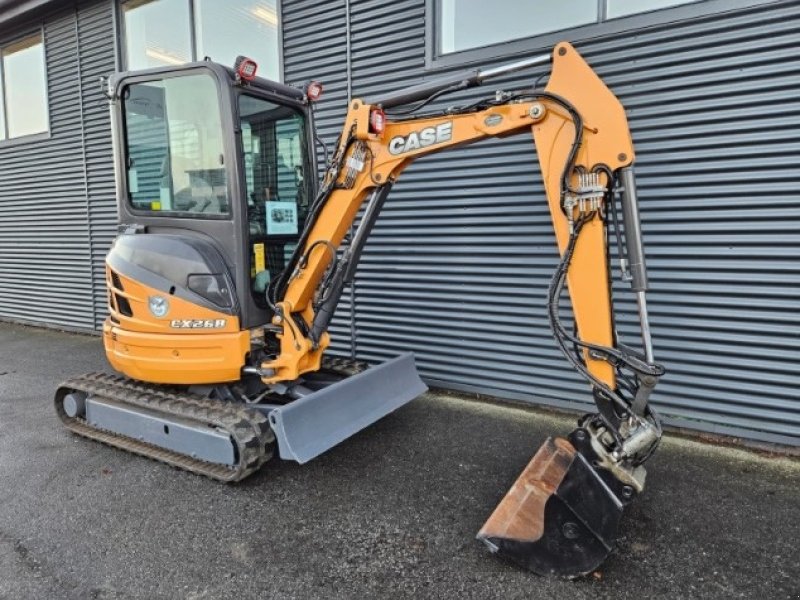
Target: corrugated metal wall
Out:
[54,193]
[458,266]
[96,52]
[315,48]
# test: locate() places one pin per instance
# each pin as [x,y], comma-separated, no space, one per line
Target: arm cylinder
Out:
[633,231]
[485,74]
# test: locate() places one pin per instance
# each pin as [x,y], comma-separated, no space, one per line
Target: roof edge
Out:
[12,10]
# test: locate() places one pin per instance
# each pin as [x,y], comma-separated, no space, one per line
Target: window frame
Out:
[39,135]
[122,41]
[309,164]
[224,100]
[434,60]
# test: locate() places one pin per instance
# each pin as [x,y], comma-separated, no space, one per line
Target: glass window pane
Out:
[248,27]
[275,156]
[174,141]
[276,166]
[620,8]
[157,33]
[465,24]
[25,87]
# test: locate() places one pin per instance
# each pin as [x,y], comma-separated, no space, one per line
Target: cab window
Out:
[175,158]
[275,155]
[274,150]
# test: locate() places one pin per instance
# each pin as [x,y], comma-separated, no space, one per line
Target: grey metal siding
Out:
[57,210]
[315,49]
[96,51]
[458,266]
[44,237]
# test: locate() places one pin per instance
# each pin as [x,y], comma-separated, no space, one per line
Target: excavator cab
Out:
[216,180]
[220,160]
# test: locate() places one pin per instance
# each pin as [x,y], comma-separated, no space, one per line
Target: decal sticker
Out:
[198,323]
[133,181]
[281,218]
[158,306]
[422,138]
[259,258]
[493,120]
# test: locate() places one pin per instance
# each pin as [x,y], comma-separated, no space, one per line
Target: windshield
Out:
[274,150]
[174,142]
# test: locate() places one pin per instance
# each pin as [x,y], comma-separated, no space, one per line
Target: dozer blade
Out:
[315,423]
[559,517]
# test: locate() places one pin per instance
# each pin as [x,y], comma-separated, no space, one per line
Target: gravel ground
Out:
[391,513]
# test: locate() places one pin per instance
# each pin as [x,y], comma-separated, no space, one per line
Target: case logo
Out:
[158,306]
[198,323]
[422,138]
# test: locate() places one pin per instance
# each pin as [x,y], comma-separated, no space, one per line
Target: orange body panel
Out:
[138,294]
[606,141]
[178,358]
[151,349]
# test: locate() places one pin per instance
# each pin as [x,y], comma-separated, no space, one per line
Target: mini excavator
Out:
[231,260]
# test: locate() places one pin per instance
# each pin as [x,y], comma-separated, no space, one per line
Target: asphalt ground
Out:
[391,513]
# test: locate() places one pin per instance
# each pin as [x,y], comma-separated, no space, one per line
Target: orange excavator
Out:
[231,260]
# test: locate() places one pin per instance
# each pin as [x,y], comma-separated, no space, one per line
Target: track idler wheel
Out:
[559,518]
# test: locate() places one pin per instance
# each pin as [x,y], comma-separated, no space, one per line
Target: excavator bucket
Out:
[311,425]
[559,518]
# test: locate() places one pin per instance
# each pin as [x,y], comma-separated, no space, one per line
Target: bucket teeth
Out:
[559,517]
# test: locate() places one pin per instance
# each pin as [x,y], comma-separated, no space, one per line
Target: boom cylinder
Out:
[464,79]
[348,263]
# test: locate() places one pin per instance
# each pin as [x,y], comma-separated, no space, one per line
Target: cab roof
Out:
[224,73]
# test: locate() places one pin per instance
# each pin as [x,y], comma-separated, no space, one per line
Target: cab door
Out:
[278,179]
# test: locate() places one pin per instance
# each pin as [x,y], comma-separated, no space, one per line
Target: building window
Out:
[23,89]
[172,32]
[467,24]
[225,30]
[157,33]
[623,8]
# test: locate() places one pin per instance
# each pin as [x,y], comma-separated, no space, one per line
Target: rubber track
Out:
[249,429]
[343,366]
